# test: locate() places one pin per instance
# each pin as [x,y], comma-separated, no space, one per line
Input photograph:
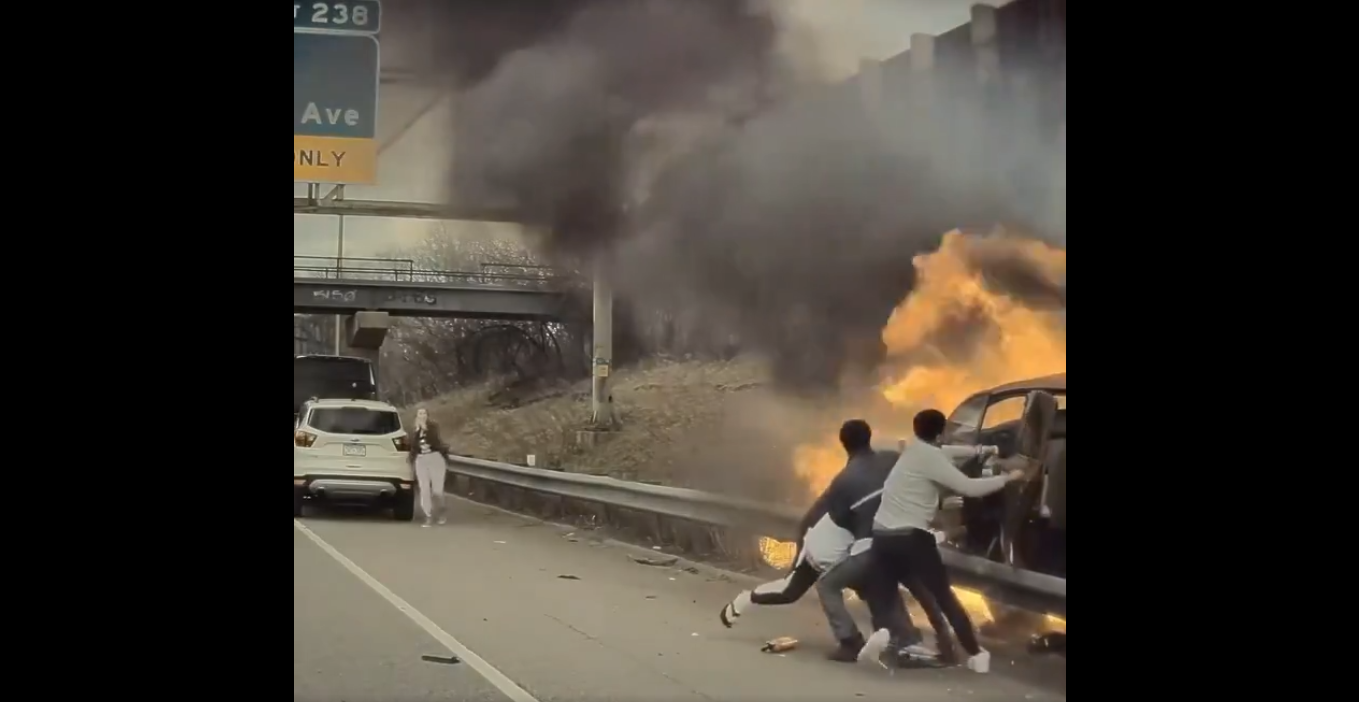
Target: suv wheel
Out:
[404,508]
[297,503]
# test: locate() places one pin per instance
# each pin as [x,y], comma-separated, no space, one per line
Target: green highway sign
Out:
[335,107]
[363,16]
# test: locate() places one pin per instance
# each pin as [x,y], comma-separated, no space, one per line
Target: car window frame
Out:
[994,400]
[953,428]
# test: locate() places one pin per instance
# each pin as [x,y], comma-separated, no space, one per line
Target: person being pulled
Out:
[829,558]
[905,550]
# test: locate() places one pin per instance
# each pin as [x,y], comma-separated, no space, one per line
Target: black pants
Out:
[884,599]
[787,590]
[912,559]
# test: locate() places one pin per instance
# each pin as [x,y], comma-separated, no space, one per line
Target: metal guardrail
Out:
[678,503]
[717,510]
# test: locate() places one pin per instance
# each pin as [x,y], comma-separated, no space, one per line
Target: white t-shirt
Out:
[826,544]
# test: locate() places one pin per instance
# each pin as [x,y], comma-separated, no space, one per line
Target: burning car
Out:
[1024,526]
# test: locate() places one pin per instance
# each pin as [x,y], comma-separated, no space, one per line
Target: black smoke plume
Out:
[794,228]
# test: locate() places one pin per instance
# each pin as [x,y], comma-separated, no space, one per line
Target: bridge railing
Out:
[332,268]
[736,520]
[404,271]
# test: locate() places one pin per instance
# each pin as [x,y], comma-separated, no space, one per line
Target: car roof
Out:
[1055,384]
[365,404]
[1047,382]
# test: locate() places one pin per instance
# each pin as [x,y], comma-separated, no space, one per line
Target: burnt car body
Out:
[1025,526]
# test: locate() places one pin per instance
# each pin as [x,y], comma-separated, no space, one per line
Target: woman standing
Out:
[429,456]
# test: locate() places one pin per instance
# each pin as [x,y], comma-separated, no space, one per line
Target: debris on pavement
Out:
[783,644]
[657,562]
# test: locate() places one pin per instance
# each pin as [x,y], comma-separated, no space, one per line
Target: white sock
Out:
[741,603]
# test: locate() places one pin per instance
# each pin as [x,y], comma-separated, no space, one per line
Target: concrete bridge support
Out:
[365,332]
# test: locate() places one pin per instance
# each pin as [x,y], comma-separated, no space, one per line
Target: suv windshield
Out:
[354,420]
[332,378]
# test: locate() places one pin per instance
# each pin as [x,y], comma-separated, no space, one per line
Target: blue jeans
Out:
[887,612]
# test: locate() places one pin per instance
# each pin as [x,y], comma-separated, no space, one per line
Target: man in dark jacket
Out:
[860,476]
[827,541]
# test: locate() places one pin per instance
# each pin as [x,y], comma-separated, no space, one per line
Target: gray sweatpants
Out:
[852,574]
[431,470]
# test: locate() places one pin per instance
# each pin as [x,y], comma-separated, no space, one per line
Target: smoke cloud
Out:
[675,138]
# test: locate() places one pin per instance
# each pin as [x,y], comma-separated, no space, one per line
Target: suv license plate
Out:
[356,451]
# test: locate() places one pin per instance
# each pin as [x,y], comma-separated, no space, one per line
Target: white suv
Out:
[352,450]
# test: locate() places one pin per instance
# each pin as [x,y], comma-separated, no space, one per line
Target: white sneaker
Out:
[733,608]
[427,523]
[874,648]
[442,520]
[980,663]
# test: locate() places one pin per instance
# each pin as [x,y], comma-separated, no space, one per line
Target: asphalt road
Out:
[537,614]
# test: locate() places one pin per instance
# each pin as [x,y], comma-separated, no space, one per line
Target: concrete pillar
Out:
[921,87]
[602,337]
[367,330]
[870,88]
[986,44]
[991,150]
[921,93]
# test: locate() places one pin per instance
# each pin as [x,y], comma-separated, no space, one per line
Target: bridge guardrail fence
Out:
[331,266]
[404,271]
[1029,590]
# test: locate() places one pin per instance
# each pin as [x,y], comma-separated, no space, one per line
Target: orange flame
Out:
[921,372]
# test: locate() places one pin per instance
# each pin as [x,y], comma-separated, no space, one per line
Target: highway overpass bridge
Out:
[422,299]
[364,294]
[397,288]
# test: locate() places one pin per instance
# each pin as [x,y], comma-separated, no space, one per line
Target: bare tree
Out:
[425,358]
[428,357]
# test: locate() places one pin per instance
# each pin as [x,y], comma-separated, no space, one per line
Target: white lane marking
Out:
[497,679]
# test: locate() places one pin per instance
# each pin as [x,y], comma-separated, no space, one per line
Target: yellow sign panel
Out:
[334,160]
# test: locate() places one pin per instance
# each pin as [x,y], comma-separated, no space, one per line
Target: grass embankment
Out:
[714,426]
